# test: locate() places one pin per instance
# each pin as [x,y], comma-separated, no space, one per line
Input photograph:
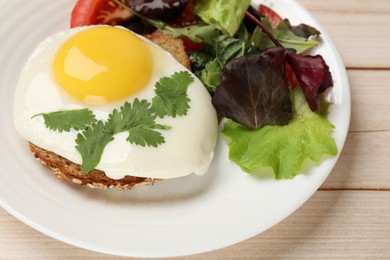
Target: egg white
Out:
[189,144]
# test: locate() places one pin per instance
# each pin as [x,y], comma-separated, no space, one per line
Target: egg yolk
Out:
[102,64]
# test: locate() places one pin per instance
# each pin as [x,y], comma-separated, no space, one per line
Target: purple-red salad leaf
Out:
[253,93]
[313,76]
[312,72]
[164,10]
[276,55]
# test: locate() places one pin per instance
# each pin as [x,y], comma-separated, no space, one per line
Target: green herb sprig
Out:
[137,118]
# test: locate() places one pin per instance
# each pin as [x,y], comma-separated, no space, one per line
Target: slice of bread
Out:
[69,171]
[172,45]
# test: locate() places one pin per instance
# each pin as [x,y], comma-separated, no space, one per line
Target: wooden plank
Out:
[332,224]
[350,6]
[363,164]
[359,28]
[370,95]
[18,241]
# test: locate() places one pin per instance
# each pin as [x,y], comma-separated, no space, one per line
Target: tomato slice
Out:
[190,45]
[271,15]
[88,12]
[290,76]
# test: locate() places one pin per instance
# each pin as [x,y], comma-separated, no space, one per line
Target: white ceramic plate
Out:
[176,217]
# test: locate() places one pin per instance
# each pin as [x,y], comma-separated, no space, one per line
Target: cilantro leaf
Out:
[171,95]
[91,143]
[130,115]
[146,135]
[138,120]
[283,148]
[68,119]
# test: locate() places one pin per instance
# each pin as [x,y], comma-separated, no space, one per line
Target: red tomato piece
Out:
[190,45]
[290,76]
[88,12]
[271,15]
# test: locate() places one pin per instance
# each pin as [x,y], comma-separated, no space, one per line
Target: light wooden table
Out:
[349,216]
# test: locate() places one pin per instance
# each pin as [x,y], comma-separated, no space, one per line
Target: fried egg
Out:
[101,68]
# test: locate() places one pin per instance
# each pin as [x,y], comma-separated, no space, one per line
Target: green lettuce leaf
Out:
[197,33]
[211,75]
[284,35]
[283,148]
[199,60]
[224,48]
[224,15]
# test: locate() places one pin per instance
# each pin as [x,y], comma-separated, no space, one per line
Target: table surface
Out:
[349,216]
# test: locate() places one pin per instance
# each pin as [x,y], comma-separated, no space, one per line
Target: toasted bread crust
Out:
[172,45]
[69,171]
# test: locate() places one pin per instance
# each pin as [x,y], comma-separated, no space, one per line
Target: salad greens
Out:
[284,35]
[224,49]
[227,17]
[274,129]
[253,93]
[283,148]
[256,67]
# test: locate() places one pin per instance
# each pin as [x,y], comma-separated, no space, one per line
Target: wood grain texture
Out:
[364,163]
[349,217]
[359,28]
[332,224]
[370,96]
